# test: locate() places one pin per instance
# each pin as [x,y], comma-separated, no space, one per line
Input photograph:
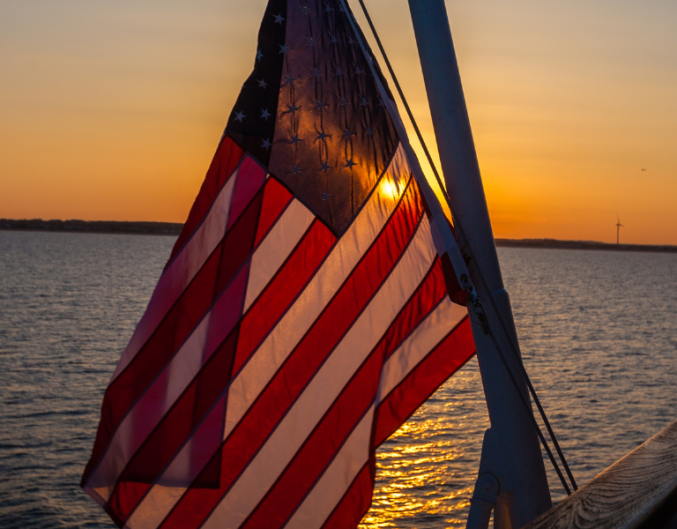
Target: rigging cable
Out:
[489,293]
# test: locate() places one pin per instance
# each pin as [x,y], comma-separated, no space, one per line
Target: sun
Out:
[389,189]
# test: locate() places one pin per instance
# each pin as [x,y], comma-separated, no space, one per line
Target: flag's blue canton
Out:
[252,121]
[332,136]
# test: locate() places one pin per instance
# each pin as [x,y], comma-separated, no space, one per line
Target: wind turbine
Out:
[618,229]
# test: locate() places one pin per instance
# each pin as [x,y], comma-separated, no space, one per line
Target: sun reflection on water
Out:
[424,469]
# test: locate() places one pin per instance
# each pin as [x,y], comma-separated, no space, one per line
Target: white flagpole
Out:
[511,453]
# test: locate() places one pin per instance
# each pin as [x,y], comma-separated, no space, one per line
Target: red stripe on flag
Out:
[347,410]
[149,410]
[227,156]
[149,461]
[177,325]
[429,294]
[275,199]
[445,359]
[185,266]
[312,460]
[167,439]
[320,448]
[250,179]
[356,502]
[283,289]
[294,375]
[442,362]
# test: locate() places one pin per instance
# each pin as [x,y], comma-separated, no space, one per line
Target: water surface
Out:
[598,332]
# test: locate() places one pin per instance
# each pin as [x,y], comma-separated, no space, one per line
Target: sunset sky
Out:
[112,110]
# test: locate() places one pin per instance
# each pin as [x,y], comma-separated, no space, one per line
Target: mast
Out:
[511,456]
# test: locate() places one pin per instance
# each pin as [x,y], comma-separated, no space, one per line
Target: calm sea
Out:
[598,333]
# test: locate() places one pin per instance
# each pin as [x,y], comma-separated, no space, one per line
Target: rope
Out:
[486,288]
[406,106]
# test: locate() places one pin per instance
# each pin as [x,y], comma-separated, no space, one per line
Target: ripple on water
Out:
[598,332]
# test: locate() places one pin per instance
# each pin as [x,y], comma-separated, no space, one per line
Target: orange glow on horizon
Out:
[113,112]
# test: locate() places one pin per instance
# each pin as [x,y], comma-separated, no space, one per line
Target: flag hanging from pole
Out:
[304,313]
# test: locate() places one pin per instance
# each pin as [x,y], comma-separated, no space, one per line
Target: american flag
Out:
[304,313]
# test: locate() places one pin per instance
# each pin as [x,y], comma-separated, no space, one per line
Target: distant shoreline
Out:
[173,228]
[97,226]
[584,245]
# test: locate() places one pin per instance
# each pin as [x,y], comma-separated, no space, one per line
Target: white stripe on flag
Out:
[281,341]
[195,351]
[152,405]
[154,507]
[274,250]
[331,487]
[185,265]
[419,344]
[339,476]
[327,384]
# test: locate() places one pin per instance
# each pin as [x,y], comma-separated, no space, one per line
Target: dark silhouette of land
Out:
[172,228]
[584,245]
[98,226]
